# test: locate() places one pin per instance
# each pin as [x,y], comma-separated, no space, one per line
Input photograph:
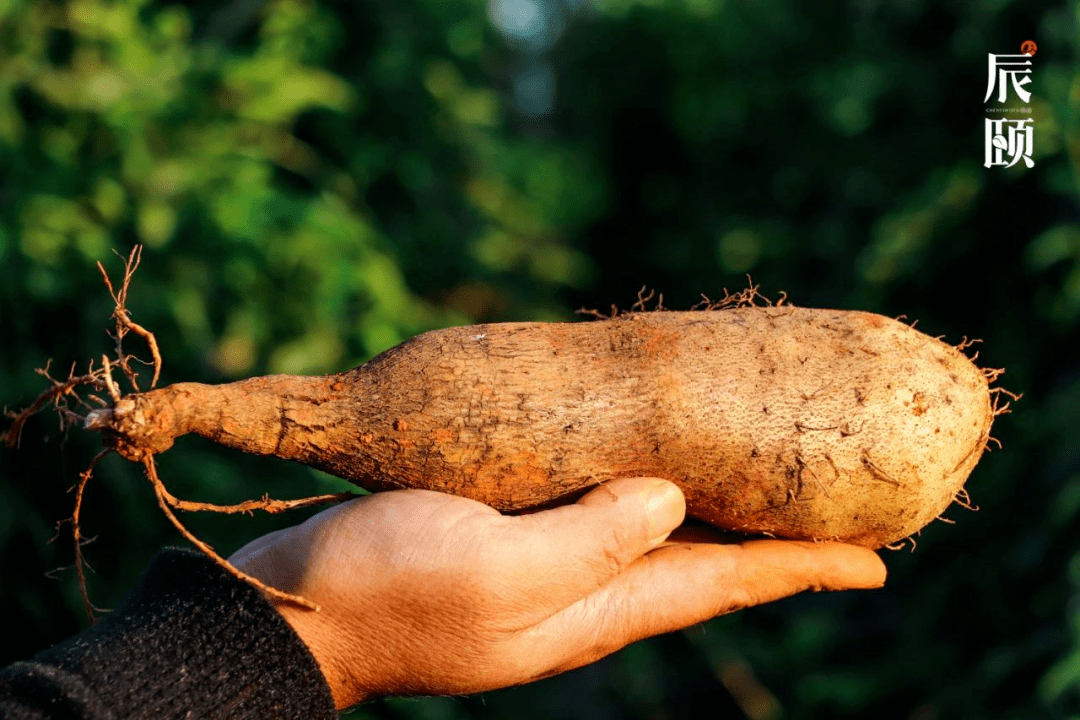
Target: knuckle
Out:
[618,549]
[611,560]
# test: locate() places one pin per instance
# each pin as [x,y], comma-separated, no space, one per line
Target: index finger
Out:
[683,584]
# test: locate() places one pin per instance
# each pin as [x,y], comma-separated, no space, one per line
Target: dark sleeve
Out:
[190,641]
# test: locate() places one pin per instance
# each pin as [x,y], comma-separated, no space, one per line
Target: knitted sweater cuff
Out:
[189,641]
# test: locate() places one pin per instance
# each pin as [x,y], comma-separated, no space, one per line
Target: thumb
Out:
[575,549]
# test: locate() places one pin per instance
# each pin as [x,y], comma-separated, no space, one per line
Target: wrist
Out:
[321,642]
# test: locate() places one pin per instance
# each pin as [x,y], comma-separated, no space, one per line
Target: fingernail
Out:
[665,510]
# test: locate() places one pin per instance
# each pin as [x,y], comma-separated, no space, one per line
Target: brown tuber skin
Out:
[790,422]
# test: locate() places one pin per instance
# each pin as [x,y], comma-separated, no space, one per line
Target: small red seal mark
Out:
[1028,47]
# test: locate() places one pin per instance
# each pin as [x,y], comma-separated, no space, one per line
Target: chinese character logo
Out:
[1009,141]
[1003,69]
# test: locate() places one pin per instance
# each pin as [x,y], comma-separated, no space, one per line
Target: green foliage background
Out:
[316,181]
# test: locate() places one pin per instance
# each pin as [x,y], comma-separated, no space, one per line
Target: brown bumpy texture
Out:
[793,422]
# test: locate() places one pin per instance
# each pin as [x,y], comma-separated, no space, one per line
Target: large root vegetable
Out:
[791,422]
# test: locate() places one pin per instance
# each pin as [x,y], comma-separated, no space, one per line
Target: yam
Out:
[789,422]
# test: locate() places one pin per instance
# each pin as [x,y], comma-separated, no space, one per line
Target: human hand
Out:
[424,593]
